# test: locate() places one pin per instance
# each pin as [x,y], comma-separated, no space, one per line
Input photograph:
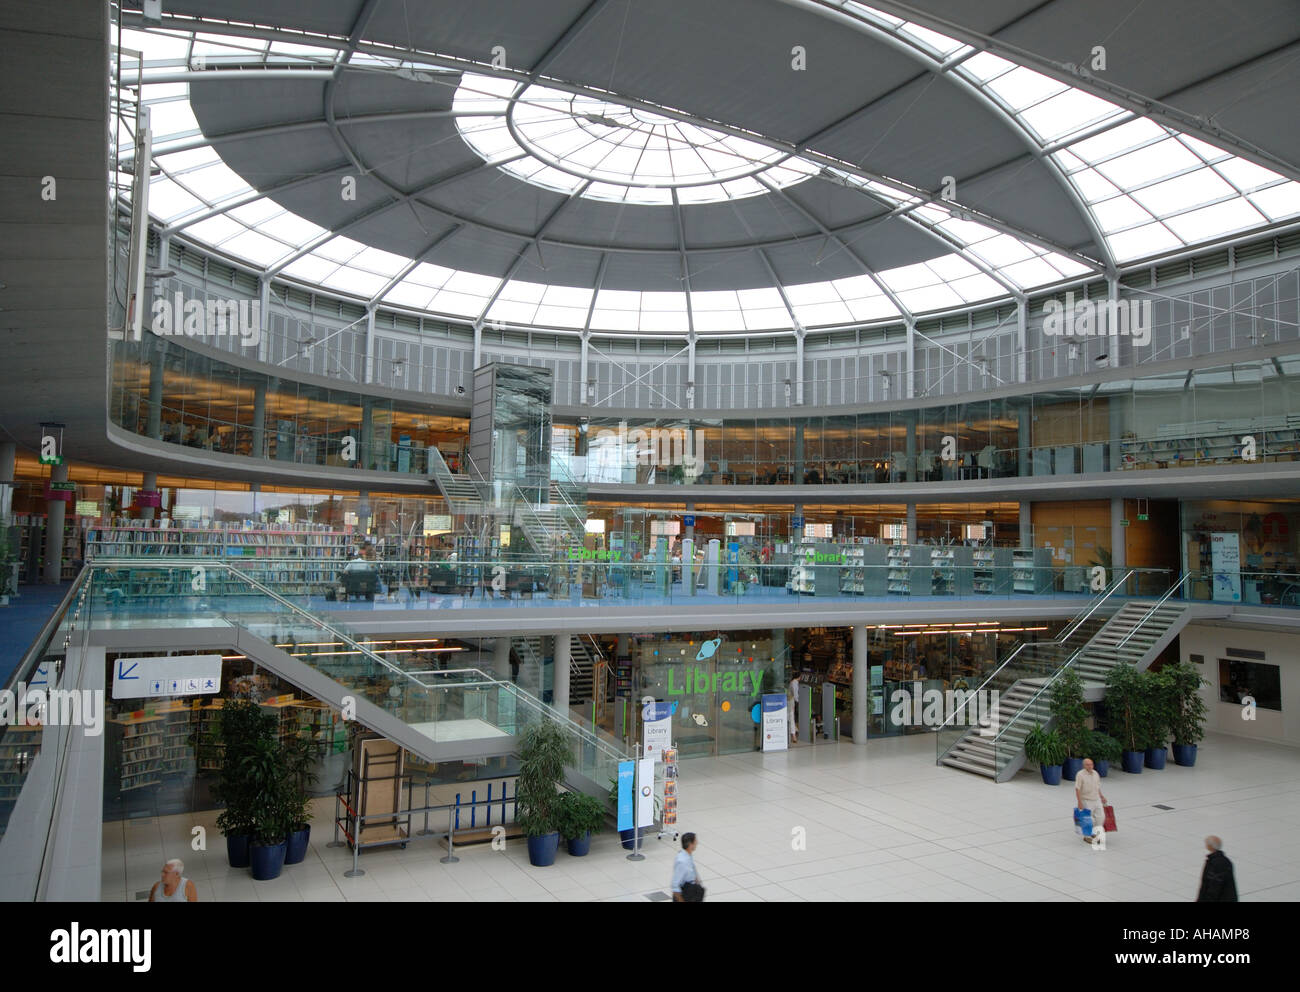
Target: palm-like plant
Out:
[543,757]
[1071,715]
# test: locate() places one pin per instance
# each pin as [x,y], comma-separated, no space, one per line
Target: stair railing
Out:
[1064,636]
[1151,612]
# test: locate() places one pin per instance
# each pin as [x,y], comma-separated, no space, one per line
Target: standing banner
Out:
[1225,562]
[645,797]
[670,787]
[626,771]
[657,732]
[776,733]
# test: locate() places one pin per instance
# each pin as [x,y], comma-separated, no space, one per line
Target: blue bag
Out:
[1083,822]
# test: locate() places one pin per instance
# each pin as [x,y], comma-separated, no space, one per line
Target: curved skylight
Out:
[1147,188]
[625,154]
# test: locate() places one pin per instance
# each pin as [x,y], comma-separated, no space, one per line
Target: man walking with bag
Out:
[1217,881]
[686,880]
[1087,794]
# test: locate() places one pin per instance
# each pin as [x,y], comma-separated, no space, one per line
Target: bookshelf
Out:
[310,555]
[899,570]
[18,749]
[991,571]
[138,751]
[1030,568]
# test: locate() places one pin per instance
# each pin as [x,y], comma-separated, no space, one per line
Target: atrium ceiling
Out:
[715,166]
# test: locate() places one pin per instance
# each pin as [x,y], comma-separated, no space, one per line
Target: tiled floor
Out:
[877,823]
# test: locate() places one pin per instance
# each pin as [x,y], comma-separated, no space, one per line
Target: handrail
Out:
[1059,639]
[1159,603]
[320,623]
[1007,724]
[50,625]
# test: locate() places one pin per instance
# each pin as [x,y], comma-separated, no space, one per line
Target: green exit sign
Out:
[51,459]
[1143,516]
[1123,523]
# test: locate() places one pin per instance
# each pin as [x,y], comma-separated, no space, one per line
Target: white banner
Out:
[1225,562]
[645,792]
[776,712]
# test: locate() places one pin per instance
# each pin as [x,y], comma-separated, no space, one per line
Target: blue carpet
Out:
[22,620]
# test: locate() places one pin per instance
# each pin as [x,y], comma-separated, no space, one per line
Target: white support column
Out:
[583,398]
[910,391]
[54,513]
[1118,551]
[1026,527]
[149,484]
[690,371]
[501,658]
[157,363]
[563,659]
[264,309]
[798,365]
[1112,326]
[478,345]
[861,684]
[1022,340]
[368,373]
[911,524]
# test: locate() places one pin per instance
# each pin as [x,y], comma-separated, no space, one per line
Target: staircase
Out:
[583,656]
[462,493]
[1106,634]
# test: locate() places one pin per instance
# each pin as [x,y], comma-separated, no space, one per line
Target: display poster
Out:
[670,787]
[1225,562]
[776,734]
[877,689]
[404,452]
[626,772]
[657,729]
[645,793]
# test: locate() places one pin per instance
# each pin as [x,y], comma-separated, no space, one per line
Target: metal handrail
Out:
[1061,638]
[316,621]
[50,625]
[1159,603]
[1074,657]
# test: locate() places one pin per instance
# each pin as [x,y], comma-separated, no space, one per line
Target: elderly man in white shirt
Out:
[1088,795]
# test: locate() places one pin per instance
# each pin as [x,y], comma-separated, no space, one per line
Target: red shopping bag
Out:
[1109,824]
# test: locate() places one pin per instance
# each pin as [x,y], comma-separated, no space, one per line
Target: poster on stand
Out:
[626,772]
[1225,562]
[670,787]
[657,729]
[776,733]
[645,796]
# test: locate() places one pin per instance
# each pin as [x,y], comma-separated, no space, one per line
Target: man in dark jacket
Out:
[1217,883]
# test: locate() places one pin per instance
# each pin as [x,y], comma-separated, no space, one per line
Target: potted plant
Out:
[243,725]
[1045,747]
[1126,703]
[266,778]
[300,765]
[1160,708]
[1071,720]
[580,816]
[1188,724]
[543,757]
[1103,749]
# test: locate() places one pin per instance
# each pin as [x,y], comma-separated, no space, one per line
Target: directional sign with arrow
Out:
[181,675]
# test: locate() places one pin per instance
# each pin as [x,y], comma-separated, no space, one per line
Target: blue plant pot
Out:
[1051,774]
[237,850]
[628,837]
[296,845]
[542,850]
[1185,755]
[1071,768]
[1155,757]
[267,860]
[579,846]
[1132,762]
[1102,767]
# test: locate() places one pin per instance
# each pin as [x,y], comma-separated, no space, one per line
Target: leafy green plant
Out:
[578,814]
[1044,746]
[543,756]
[1189,709]
[299,757]
[245,726]
[1102,747]
[268,784]
[1127,702]
[1159,710]
[1071,715]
